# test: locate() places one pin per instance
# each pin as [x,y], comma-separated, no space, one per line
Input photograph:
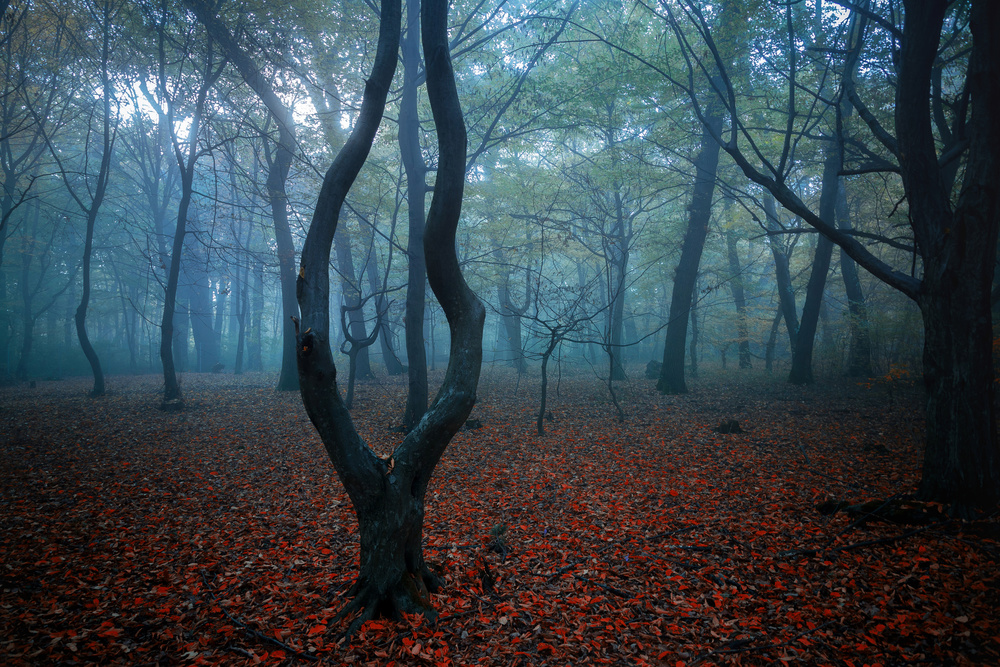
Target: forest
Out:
[499,332]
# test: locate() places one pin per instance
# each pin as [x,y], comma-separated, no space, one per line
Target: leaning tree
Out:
[388,493]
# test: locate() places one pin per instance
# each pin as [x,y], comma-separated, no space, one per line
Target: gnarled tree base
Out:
[408,594]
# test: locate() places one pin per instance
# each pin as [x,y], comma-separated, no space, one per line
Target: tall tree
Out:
[859,354]
[186,155]
[277,177]
[671,379]
[94,185]
[954,224]
[706,166]
[416,193]
[739,299]
[801,371]
[388,494]
[781,251]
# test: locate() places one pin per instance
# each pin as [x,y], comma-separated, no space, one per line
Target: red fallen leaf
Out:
[616,527]
[113,632]
[673,492]
[316,629]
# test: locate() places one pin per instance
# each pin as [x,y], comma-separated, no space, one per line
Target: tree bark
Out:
[416,191]
[693,338]
[961,459]
[700,211]
[388,494]
[351,290]
[782,272]
[801,371]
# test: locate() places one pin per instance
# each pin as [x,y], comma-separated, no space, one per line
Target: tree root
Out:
[410,594]
[894,510]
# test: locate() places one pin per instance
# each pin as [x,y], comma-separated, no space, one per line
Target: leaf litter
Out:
[220,535]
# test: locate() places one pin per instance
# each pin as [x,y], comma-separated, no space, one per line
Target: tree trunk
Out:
[772,340]
[80,317]
[801,371]
[255,344]
[241,303]
[171,387]
[510,316]
[961,463]
[540,420]
[277,177]
[859,355]
[392,364]
[388,494]
[416,191]
[693,342]
[91,211]
[618,268]
[351,290]
[739,299]
[962,457]
[782,272]
[700,211]
[27,317]
[206,352]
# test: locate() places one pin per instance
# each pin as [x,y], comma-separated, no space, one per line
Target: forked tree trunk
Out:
[388,494]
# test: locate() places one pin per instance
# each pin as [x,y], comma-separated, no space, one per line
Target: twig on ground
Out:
[859,545]
[254,633]
[610,589]
[764,647]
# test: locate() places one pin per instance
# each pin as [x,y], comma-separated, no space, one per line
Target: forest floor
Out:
[220,535]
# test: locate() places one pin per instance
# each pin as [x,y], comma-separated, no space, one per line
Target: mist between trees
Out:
[576,203]
[805,188]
